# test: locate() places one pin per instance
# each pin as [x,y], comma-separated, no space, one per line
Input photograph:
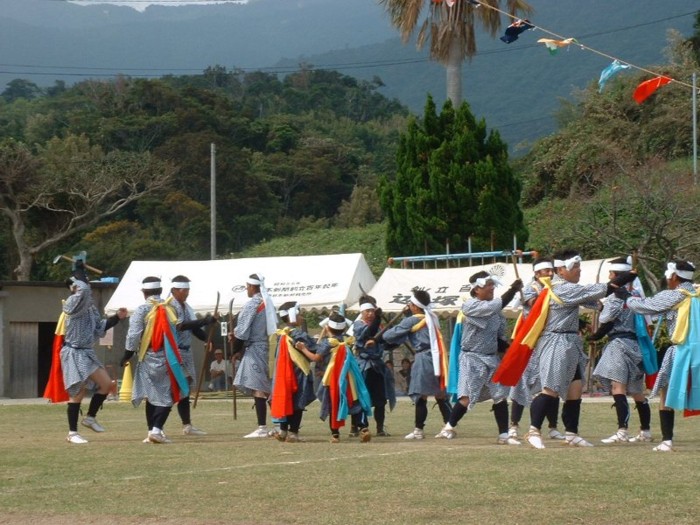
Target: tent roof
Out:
[448,287]
[317,282]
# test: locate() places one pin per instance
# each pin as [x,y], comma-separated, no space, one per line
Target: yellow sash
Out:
[295,355]
[683,321]
[420,324]
[530,339]
[150,321]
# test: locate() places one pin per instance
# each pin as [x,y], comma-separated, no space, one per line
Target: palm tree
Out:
[450,26]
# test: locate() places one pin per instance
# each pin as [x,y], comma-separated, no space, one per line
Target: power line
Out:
[155,72]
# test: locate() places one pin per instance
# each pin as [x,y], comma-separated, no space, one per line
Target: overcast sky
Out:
[141,5]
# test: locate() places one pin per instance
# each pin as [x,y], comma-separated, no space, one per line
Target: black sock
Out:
[539,408]
[96,404]
[553,413]
[516,412]
[295,421]
[183,408]
[150,409]
[359,420]
[500,412]
[73,411]
[445,409]
[622,408]
[571,414]
[666,420]
[379,416]
[421,412]
[458,411]
[644,413]
[160,416]
[261,411]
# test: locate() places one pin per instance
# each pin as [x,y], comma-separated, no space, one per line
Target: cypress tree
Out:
[452,181]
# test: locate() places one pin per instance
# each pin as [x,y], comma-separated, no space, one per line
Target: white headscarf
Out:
[270,313]
[433,326]
[683,274]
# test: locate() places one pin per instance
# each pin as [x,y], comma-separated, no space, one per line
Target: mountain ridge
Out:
[515,87]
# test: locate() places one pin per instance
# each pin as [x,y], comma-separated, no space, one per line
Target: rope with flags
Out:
[643,91]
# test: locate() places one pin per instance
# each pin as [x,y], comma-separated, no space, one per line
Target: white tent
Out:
[448,287]
[316,282]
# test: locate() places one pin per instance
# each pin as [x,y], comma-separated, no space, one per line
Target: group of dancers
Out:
[344,368]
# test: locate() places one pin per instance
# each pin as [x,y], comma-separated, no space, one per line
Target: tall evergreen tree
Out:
[452,181]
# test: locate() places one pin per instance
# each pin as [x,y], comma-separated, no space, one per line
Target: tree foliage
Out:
[287,149]
[607,133]
[453,181]
[67,186]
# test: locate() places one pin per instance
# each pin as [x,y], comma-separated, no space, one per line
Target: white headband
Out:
[418,303]
[544,265]
[180,284]
[367,306]
[337,326]
[481,281]
[256,282]
[291,312]
[558,263]
[620,267]
[570,263]
[683,274]
[151,286]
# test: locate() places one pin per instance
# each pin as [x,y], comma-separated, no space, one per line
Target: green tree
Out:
[453,181]
[695,39]
[66,188]
[607,133]
[20,88]
[449,26]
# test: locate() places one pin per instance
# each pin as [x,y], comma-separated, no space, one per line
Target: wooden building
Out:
[28,315]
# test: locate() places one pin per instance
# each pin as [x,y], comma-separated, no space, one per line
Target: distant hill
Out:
[515,87]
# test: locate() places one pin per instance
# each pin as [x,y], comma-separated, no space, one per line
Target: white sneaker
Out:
[260,432]
[664,446]
[274,432]
[146,440]
[555,434]
[92,423]
[513,431]
[189,430]
[620,436]
[158,437]
[505,439]
[574,440]
[416,434]
[644,436]
[76,439]
[534,438]
[447,432]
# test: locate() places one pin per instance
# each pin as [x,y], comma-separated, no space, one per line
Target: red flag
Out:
[334,386]
[55,391]
[518,354]
[162,331]
[648,87]
[285,385]
[650,380]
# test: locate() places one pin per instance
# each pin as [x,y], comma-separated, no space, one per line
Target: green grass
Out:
[223,478]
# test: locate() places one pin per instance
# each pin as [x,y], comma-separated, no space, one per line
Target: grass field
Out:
[223,478]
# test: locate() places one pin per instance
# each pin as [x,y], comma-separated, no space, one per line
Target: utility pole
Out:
[212,205]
